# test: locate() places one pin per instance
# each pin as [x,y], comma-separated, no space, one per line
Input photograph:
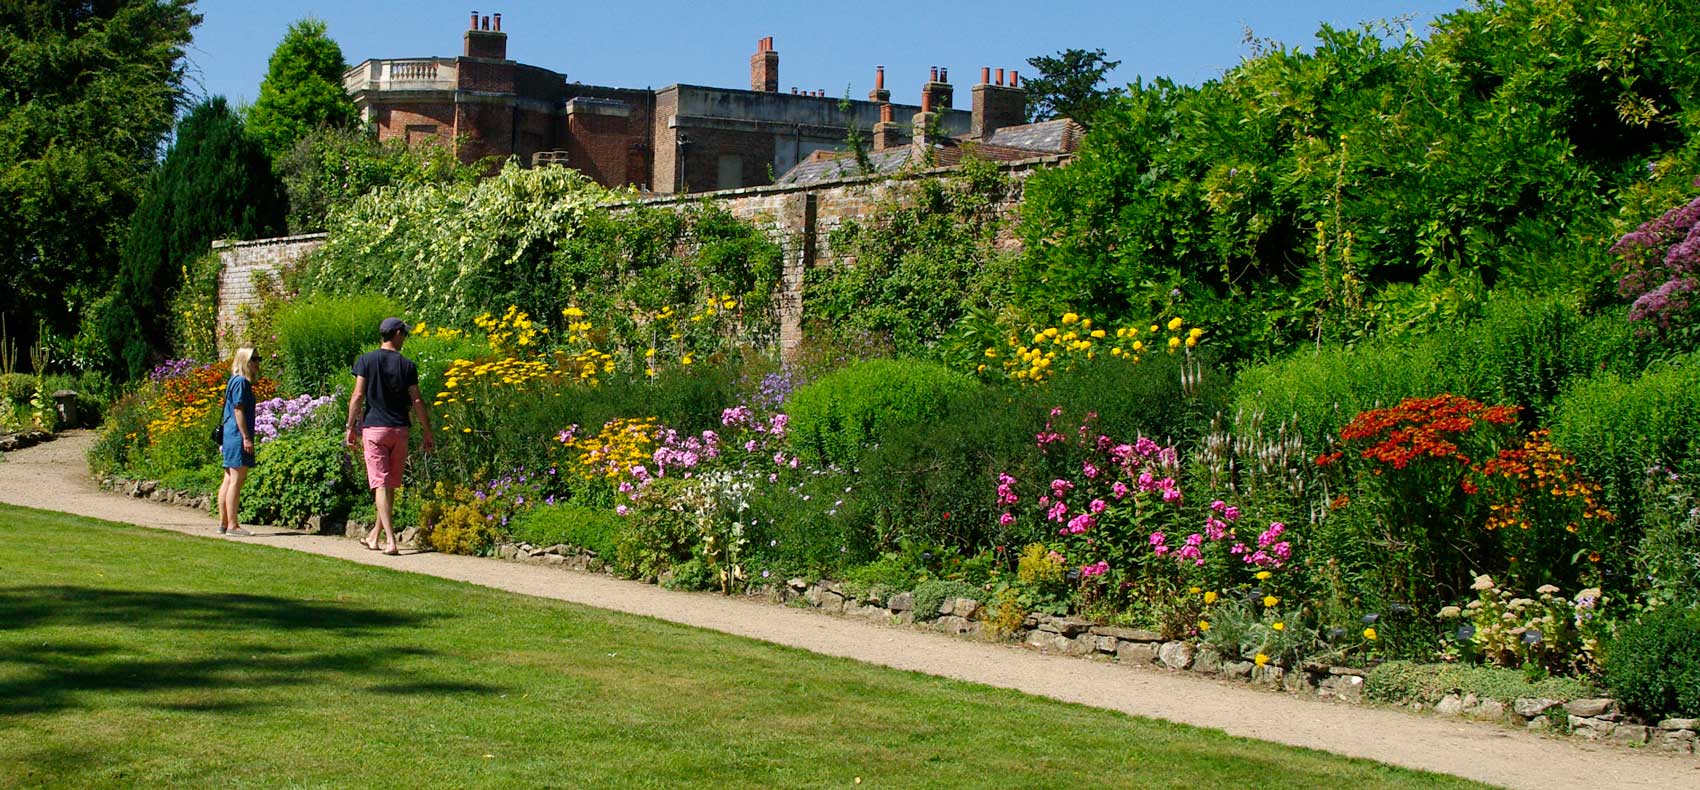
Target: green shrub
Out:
[654,539]
[568,523]
[1526,350]
[1619,427]
[1144,398]
[433,354]
[932,482]
[200,480]
[931,595]
[122,438]
[1409,681]
[834,419]
[1653,665]
[1668,556]
[302,473]
[320,336]
[813,527]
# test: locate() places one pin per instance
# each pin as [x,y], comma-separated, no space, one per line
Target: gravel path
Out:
[53,476]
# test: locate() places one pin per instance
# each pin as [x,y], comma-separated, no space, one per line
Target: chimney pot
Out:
[474,21]
[934,76]
[498,22]
[1014,78]
[1000,76]
[985,74]
[926,101]
[885,113]
[944,75]
[879,78]
[485,23]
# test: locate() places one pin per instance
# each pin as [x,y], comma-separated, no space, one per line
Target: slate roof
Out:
[1009,144]
[1057,136]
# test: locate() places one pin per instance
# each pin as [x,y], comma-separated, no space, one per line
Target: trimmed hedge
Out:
[835,419]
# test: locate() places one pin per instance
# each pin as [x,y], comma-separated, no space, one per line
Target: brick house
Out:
[681,138]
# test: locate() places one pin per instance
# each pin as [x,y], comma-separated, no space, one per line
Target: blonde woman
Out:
[238,447]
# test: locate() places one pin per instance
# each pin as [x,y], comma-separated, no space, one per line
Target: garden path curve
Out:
[54,476]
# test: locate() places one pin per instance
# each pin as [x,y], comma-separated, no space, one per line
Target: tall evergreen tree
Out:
[88,91]
[216,182]
[1067,85]
[302,90]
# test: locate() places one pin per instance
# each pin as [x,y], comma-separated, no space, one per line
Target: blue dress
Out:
[237,394]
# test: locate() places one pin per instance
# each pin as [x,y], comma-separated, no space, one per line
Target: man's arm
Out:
[430,442]
[356,409]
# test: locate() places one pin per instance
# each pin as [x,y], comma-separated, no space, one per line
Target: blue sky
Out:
[822,45]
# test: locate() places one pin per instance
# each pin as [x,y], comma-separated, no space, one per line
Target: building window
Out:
[731,172]
[421,132]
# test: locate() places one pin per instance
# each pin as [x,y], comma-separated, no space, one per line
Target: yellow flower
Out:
[1369,633]
[686,360]
[1269,601]
[1191,341]
[1154,329]
[1098,333]
[1279,626]
[1070,318]
[1174,323]
[1203,626]
[1050,331]
[1174,343]
[1262,575]
[1138,345]
[1261,659]
[1210,597]
[1196,590]
[466,430]
[1195,332]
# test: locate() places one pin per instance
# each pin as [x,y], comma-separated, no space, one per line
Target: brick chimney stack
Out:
[936,94]
[764,67]
[879,95]
[887,134]
[996,105]
[482,42]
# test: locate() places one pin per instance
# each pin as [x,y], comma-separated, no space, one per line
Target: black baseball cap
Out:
[391,326]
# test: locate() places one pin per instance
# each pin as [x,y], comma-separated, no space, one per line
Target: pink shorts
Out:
[386,455]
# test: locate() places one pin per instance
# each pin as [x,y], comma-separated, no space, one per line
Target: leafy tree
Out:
[215,183]
[1067,85]
[1376,182]
[326,170]
[302,90]
[88,91]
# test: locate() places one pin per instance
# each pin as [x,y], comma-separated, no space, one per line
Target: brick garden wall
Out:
[801,220]
[798,218]
[240,262]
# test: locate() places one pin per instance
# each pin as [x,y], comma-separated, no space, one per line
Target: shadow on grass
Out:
[65,647]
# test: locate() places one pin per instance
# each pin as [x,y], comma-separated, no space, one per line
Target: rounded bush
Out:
[1653,665]
[570,524]
[834,419]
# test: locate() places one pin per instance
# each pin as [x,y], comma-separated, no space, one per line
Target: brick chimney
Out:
[879,95]
[920,142]
[996,105]
[887,134]
[482,42]
[764,67]
[937,89]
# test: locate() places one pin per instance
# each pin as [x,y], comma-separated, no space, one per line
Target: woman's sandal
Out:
[391,551]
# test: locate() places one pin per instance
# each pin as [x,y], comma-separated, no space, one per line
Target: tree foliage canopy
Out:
[88,91]
[1377,181]
[1068,85]
[302,90]
[215,183]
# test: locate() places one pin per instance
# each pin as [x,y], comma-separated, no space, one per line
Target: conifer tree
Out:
[216,182]
[302,90]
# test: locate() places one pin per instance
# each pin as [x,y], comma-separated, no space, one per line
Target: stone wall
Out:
[240,262]
[801,219]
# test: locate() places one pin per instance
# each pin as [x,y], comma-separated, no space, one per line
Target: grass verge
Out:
[136,657]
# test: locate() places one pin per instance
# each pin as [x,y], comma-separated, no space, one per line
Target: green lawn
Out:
[139,657]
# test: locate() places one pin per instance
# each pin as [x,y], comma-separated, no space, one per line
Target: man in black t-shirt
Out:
[386,384]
